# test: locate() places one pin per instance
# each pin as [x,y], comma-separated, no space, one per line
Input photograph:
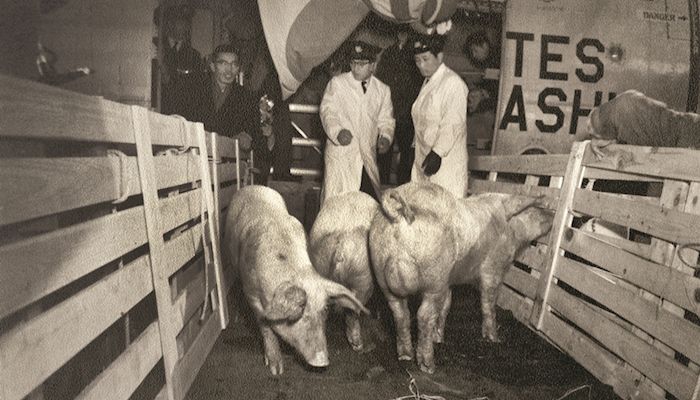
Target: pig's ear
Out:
[287,303]
[342,296]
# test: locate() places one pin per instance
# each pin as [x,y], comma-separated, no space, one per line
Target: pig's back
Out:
[338,241]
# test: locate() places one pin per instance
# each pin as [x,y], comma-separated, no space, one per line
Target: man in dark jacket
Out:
[227,108]
[397,69]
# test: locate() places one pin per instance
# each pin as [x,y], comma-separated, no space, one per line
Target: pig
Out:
[288,297]
[425,240]
[339,250]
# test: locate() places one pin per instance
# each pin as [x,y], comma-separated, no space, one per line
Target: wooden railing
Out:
[625,307]
[107,253]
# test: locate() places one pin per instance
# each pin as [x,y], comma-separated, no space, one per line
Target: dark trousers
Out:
[366,185]
[404,138]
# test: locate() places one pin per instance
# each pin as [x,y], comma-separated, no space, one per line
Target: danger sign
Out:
[657,16]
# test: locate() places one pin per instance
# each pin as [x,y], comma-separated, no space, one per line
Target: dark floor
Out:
[524,366]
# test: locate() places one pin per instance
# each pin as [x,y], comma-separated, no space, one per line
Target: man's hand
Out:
[383,145]
[344,137]
[431,164]
[244,141]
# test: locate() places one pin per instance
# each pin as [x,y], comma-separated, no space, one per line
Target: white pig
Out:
[289,298]
[426,241]
[339,251]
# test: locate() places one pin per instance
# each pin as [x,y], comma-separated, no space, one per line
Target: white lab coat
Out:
[366,116]
[440,119]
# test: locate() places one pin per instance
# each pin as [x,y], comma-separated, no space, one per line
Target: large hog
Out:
[289,298]
[339,250]
[425,241]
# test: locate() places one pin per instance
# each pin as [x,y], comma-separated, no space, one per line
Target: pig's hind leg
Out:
[428,313]
[353,331]
[439,335]
[402,321]
[273,354]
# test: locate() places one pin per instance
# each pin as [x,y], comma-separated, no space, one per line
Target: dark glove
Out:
[431,164]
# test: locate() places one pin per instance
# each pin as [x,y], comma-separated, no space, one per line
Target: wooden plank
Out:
[225,196]
[191,297]
[35,348]
[521,281]
[651,362]
[536,164]
[673,330]
[92,244]
[658,279]
[154,226]
[36,187]
[520,306]
[181,208]
[533,256]
[176,170]
[125,374]
[665,162]
[36,111]
[169,130]
[627,382]
[181,249]
[227,172]
[562,219]
[665,223]
[213,229]
[189,365]
[606,174]
[226,147]
[551,194]
[609,369]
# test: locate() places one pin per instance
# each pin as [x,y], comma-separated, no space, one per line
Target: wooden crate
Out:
[625,307]
[107,253]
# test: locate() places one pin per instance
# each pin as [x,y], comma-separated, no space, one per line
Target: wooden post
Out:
[562,219]
[154,229]
[213,231]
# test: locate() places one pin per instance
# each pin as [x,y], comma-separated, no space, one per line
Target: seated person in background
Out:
[224,106]
[357,116]
[633,118]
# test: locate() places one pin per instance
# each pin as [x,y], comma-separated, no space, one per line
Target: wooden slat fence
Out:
[625,306]
[107,252]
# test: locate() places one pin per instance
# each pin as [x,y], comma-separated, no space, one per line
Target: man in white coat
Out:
[440,118]
[357,116]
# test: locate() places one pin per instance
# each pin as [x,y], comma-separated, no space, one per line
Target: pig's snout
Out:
[320,359]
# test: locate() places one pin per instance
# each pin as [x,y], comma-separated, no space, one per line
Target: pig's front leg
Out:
[491,278]
[428,314]
[353,331]
[402,320]
[439,336]
[273,353]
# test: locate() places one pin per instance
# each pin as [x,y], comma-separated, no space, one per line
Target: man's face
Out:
[428,63]
[361,69]
[225,68]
